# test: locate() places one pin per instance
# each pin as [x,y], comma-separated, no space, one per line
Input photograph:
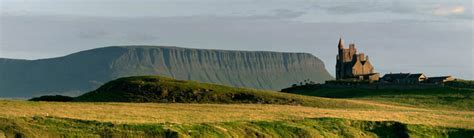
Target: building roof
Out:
[369,74]
[415,76]
[396,76]
[440,77]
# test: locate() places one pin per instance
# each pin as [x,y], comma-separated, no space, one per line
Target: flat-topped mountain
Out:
[84,71]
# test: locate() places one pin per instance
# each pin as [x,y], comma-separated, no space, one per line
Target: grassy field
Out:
[77,118]
[164,107]
[435,98]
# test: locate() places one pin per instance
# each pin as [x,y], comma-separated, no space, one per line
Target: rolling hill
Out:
[84,71]
[142,89]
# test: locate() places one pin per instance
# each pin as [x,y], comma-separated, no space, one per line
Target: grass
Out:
[438,98]
[164,107]
[136,113]
[128,119]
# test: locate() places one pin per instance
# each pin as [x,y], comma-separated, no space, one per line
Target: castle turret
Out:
[339,59]
[341,43]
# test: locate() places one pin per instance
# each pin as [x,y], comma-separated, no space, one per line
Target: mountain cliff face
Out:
[84,71]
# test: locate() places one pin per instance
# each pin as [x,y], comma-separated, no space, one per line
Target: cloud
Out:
[271,14]
[286,13]
[458,10]
[114,34]
[452,12]
[446,11]
[303,10]
[369,7]
[402,10]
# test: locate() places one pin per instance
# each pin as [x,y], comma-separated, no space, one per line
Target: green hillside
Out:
[440,98]
[166,90]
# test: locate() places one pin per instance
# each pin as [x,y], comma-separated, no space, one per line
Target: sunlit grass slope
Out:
[318,127]
[77,118]
[203,113]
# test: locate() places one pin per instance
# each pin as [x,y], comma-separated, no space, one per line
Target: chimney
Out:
[362,57]
[351,46]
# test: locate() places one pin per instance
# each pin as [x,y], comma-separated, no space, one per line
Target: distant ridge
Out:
[84,71]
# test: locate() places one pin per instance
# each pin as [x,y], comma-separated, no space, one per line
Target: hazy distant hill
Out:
[84,71]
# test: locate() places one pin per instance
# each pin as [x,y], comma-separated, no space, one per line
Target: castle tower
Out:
[350,65]
[339,59]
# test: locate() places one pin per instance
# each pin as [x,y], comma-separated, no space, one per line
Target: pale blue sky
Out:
[435,37]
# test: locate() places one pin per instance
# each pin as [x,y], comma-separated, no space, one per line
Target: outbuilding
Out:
[440,79]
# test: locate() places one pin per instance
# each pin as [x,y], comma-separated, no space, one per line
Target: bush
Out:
[53,98]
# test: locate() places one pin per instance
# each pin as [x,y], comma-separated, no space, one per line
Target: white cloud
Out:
[446,11]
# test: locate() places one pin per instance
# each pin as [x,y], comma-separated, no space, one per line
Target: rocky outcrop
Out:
[84,71]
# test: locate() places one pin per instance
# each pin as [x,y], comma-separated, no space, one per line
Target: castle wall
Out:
[368,68]
[357,68]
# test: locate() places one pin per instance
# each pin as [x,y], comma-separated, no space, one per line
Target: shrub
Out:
[53,98]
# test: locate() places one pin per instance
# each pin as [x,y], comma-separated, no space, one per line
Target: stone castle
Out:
[353,66]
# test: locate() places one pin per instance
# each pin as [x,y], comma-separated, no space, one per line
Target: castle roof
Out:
[341,43]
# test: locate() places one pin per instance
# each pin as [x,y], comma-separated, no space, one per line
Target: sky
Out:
[433,37]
